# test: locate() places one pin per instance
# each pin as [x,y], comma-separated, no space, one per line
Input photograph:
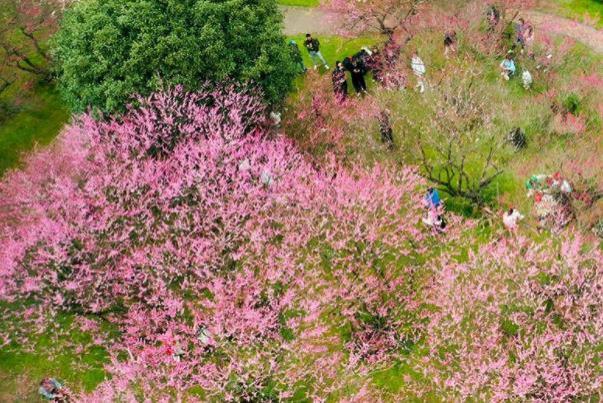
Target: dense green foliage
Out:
[108,50]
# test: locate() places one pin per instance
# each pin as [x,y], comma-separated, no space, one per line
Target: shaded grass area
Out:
[39,119]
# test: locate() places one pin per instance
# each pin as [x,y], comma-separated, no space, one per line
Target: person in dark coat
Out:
[347,63]
[297,57]
[340,85]
[313,46]
[449,43]
[358,71]
[385,128]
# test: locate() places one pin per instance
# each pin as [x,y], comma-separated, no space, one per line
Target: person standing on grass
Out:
[418,67]
[358,71]
[340,85]
[385,128]
[52,390]
[297,57]
[449,43]
[313,46]
[511,219]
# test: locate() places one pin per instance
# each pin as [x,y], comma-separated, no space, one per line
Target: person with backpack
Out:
[340,84]
[313,46]
[297,57]
[432,198]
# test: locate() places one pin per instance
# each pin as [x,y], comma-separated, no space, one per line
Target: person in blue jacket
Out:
[432,198]
[507,66]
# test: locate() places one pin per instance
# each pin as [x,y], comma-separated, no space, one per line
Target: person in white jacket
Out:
[526,79]
[511,219]
[418,67]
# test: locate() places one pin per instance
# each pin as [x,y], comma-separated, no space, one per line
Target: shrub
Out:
[108,50]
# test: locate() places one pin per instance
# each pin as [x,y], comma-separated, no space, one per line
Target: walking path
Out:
[300,20]
[589,36]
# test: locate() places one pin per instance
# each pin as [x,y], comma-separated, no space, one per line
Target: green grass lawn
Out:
[578,9]
[300,3]
[335,48]
[39,120]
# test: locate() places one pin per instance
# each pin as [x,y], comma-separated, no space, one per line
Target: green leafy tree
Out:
[108,50]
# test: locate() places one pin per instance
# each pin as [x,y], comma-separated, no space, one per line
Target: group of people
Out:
[434,217]
[435,220]
[523,36]
[362,62]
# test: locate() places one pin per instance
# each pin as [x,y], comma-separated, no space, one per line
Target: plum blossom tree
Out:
[196,233]
[534,314]
[459,149]
[384,16]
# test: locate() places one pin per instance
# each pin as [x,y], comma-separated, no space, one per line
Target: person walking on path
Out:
[313,46]
[358,71]
[297,57]
[418,67]
[340,85]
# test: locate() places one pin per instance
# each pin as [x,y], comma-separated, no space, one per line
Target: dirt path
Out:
[301,20]
[589,36]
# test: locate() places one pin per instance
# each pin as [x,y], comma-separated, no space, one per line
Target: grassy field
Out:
[40,117]
[299,3]
[592,10]
[50,354]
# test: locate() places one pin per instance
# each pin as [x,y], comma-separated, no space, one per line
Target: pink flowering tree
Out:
[518,321]
[200,235]
[384,16]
